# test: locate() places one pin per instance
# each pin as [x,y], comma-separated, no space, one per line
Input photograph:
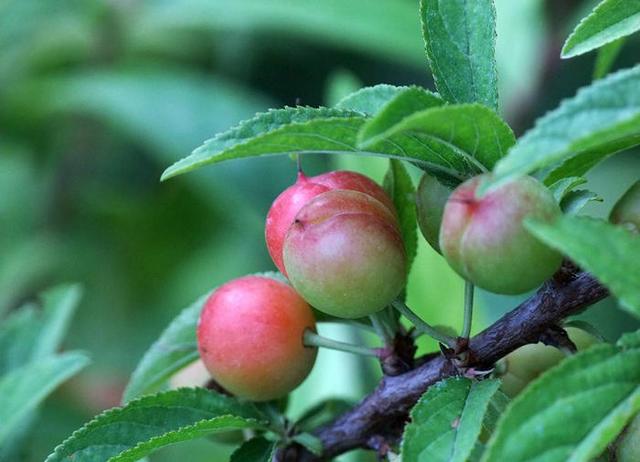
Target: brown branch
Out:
[381,413]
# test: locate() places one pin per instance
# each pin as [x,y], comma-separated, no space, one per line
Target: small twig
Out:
[312,339]
[423,326]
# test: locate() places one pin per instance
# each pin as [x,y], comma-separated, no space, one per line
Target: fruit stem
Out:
[312,339]
[468,309]
[423,326]
[381,327]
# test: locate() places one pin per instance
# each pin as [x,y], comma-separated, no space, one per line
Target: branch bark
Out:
[387,407]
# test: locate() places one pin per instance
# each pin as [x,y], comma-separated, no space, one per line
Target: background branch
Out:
[567,293]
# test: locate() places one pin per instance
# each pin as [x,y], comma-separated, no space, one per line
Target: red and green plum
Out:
[291,200]
[344,254]
[250,337]
[485,240]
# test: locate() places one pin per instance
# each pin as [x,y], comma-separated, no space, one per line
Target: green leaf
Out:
[460,37]
[255,450]
[403,104]
[600,120]
[564,186]
[149,423]
[31,333]
[629,340]
[610,20]
[573,411]
[574,201]
[446,422]
[606,58]
[175,348]
[309,441]
[323,413]
[24,388]
[333,131]
[470,138]
[370,100]
[610,253]
[399,185]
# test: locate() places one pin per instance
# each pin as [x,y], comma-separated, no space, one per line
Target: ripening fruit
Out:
[344,254]
[529,361]
[291,200]
[431,198]
[250,337]
[485,241]
[626,212]
[628,445]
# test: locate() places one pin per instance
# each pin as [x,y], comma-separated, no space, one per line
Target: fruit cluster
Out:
[337,239]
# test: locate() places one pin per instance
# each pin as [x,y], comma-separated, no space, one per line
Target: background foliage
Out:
[97,97]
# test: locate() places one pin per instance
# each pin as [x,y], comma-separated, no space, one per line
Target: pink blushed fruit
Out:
[291,200]
[250,338]
[485,240]
[344,254]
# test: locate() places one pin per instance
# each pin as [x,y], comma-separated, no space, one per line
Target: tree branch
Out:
[566,294]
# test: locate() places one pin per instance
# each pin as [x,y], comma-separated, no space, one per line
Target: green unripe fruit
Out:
[626,212]
[628,445]
[485,240]
[529,361]
[431,198]
[344,254]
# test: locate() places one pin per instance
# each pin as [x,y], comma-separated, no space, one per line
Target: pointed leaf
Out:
[564,186]
[460,38]
[399,185]
[610,252]
[574,201]
[370,100]
[149,423]
[255,450]
[573,411]
[610,20]
[24,388]
[446,422]
[600,120]
[405,103]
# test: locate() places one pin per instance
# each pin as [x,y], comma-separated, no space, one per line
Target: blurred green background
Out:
[97,97]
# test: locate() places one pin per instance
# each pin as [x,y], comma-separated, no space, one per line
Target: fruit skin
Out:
[431,197]
[529,361]
[353,181]
[344,254]
[485,241]
[250,338]
[628,445]
[626,212]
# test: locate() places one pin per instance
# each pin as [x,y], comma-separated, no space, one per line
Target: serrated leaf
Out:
[469,138]
[149,423]
[610,253]
[175,348]
[255,450]
[333,131]
[403,104]
[24,388]
[399,186]
[610,20]
[573,411]
[600,120]
[607,57]
[629,340]
[370,100]
[446,422]
[460,38]
[574,201]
